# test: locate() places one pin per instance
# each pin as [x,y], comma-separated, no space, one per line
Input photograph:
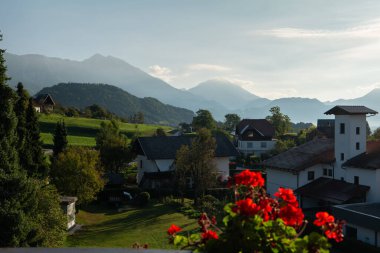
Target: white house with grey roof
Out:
[323,172]
[156,157]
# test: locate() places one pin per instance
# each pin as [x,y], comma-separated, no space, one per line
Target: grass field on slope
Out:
[104,227]
[82,131]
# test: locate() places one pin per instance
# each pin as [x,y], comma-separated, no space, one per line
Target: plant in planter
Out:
[258,223]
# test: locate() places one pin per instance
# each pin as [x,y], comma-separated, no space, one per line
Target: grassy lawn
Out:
[103,227]
[82,131]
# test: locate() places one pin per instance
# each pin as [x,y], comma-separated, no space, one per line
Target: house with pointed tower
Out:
[342,169]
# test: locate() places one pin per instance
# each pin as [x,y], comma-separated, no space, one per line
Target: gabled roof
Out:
[368,160]
[350,110]
[332,190]
[262,126]
[41,99]
[304,156]
[166,147]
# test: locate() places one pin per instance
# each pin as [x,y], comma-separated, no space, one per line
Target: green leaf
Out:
[195,237]
[180,241]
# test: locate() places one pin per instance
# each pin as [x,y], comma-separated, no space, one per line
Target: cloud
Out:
[370,29]
[163,73]
[208,67]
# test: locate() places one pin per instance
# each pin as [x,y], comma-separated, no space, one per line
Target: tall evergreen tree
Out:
[36,165]
[20,110]
[16,191]
[24,218]
[60,138]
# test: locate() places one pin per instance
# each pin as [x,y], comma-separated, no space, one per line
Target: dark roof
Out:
[368,160]
[114,178]
[301,157]
[332,190]
[362,214]
[350,110]
[165,147]
[41,99]
[262,126]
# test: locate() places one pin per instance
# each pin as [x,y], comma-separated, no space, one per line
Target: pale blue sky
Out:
[318,49]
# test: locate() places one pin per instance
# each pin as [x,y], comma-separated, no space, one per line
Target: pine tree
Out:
[24,218]
[36,165]
[16,191]
[60,138]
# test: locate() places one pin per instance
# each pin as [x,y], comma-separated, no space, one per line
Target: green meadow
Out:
[82,131]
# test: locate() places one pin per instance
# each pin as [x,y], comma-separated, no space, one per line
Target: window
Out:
[310,175]
[330,172]
[342,128]
[263,144]
[249,145]
[351,232]
[356,180]
[325,172]
[357,130]
[342,156]
[357,146]
[140,164]
[250,134]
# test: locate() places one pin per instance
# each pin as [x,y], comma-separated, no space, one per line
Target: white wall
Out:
[346,143]
[164,165]
[147,166]
[318,172]
[256,147]
[278,178]
[366,177]
[364,234]
[222,163]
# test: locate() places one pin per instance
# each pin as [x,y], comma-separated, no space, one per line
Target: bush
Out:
[142,199]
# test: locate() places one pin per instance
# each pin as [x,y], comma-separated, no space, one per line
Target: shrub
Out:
[142,199]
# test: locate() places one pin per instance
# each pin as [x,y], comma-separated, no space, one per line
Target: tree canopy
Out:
[280,121]
[203,119]
[230,122]
[197,162]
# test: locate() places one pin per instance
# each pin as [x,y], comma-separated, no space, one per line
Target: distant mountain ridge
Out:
[117,101]
[37,72]
[218,96]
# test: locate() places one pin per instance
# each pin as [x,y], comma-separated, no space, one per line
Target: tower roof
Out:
[350,110]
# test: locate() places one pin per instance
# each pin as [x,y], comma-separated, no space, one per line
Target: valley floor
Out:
[106,227]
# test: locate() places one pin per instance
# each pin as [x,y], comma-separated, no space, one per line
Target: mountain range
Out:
[117,101]
[218,96]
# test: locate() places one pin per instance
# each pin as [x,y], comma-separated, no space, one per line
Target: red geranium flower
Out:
[291,215]
[210,235]
[246,207]
[323,218]
[287,195]
[173,229]
[249,178]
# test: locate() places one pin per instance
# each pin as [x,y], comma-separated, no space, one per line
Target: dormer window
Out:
[342,128]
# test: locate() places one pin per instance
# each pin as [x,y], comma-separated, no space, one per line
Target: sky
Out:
[273,48]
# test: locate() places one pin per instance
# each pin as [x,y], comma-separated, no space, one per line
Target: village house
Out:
[43,103]
[330,171]
[156,155]
[255,137]
[341,172]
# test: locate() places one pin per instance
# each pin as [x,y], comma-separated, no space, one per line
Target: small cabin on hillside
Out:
[43,103]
